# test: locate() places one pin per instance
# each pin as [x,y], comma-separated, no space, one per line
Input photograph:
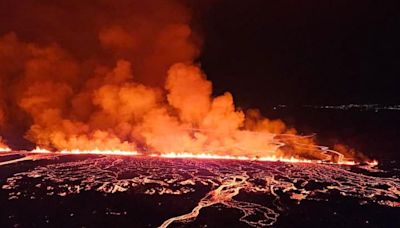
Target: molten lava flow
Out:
[40,150]
[4,149]
[204,183]
[94,151]
[188,155]
[228,157]
[101,152]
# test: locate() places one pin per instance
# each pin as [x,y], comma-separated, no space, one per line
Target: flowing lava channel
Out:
[226,182]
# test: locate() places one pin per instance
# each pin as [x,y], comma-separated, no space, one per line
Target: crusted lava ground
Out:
[82,190]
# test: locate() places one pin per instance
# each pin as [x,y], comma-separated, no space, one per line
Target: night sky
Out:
[302,52]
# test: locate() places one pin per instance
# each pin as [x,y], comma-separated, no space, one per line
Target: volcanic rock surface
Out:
[82,190]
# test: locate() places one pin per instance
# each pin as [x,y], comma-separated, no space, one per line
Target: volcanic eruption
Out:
[107,118]
[125,79]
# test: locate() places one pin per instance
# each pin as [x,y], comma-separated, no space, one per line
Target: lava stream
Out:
[227,183]
[223,193]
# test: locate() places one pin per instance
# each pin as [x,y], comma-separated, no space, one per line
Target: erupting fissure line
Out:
[271,151]
[188,155]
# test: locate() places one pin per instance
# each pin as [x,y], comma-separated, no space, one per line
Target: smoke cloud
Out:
[119,75]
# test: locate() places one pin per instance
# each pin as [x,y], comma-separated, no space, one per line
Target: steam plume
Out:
[119,75]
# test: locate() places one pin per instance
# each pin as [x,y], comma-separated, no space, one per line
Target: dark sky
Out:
[303,52]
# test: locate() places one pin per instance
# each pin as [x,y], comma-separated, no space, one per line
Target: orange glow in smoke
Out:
[139,86]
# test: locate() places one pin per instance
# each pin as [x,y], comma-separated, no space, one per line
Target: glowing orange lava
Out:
[40,150]
[101,152]
[228,157]
[94,151]
[188,155]
[5,149]
[245,158]
[372,163]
